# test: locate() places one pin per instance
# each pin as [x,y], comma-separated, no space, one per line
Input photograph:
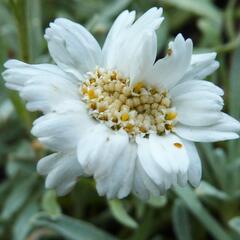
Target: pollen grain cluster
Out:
[137,109]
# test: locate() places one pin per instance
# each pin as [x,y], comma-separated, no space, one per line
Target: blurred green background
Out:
[28,211]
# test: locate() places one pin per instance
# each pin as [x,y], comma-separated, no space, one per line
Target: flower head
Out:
[116,114]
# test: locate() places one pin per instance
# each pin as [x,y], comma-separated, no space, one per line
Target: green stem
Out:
[198,210]
[19,10]
[20,109]
[145,229]
[228,46]
[229,16]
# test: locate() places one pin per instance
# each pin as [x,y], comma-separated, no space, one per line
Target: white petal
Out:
[139,188]
[144,58]
[88,154]
[131,38]
[110,160]
[177,164]
[203,58]
[167,150]
[118,182]
[151,19]
[196,85]
[128,159]
[226,128]
[201,66]
[45,87]
[198,95]
[17,73]
[198,108]
[154,151]
[167,72]
[111,150]
[117,31]
[195,166]
[72,47]
[143,185]
[161,156]
[152,169]
[207,70]
[61,131]
[62,171]
[48,93]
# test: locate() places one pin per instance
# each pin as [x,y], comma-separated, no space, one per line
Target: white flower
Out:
[116,114]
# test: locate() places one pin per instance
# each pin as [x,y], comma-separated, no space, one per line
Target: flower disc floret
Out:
[137,109]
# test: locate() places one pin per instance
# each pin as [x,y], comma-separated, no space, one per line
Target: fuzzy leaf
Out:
[121,215]
[72,229]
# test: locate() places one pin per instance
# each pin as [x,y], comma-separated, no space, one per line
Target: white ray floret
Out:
[116,113]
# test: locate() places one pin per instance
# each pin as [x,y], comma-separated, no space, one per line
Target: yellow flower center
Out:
[137,109]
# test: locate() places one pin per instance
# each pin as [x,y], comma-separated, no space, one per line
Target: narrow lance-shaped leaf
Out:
[234,223]
[207,190]
[197,209]
[70,228]
[234,108]
[198,7]
[181,221]
[121,215]
[50,204]
[157,202]
[17,197]
[22,226]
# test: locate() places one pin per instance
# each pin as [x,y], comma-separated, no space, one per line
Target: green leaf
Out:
[50,204]
[20,159]
[18,196]
[181,222]
[194,205]
[19,106]
[234,223]
[157,202]
[115,7]
[23,151]
[216,163]
[120,213]
[22,226]
[99,21]
[4,186]
[162,35]
[6,110]
[7,33]
[233,170]
[35,27]
[70,228]
[206,189]
[211,32]
[199,7]
[234,109]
